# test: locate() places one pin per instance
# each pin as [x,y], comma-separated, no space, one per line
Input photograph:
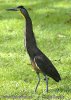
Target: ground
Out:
[52,27]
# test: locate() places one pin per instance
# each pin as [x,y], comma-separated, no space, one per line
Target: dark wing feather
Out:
[47,67]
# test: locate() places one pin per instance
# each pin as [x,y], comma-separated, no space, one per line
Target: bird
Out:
[39,61]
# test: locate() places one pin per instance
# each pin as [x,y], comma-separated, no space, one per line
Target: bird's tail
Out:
[56,76]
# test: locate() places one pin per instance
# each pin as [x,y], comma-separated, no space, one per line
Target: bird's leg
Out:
[38,82]
[46,79]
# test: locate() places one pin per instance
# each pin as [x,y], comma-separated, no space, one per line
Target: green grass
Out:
[52,28]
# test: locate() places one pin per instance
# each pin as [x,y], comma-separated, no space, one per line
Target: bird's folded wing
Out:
[44,65]
[47,67]
[40,63]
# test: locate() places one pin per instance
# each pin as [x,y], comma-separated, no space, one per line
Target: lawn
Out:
[52,27]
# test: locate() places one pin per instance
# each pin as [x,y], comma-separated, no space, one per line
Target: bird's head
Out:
[19,8]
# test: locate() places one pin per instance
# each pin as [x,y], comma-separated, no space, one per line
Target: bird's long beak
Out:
[12,9]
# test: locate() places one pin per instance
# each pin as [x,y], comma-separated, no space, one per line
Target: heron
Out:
[40,62]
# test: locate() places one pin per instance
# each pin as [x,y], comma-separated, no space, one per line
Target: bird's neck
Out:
[29,35]
[29,27]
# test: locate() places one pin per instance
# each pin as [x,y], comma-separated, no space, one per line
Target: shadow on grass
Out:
[65,89]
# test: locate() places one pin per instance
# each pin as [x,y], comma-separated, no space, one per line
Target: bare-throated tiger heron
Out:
[39,60]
